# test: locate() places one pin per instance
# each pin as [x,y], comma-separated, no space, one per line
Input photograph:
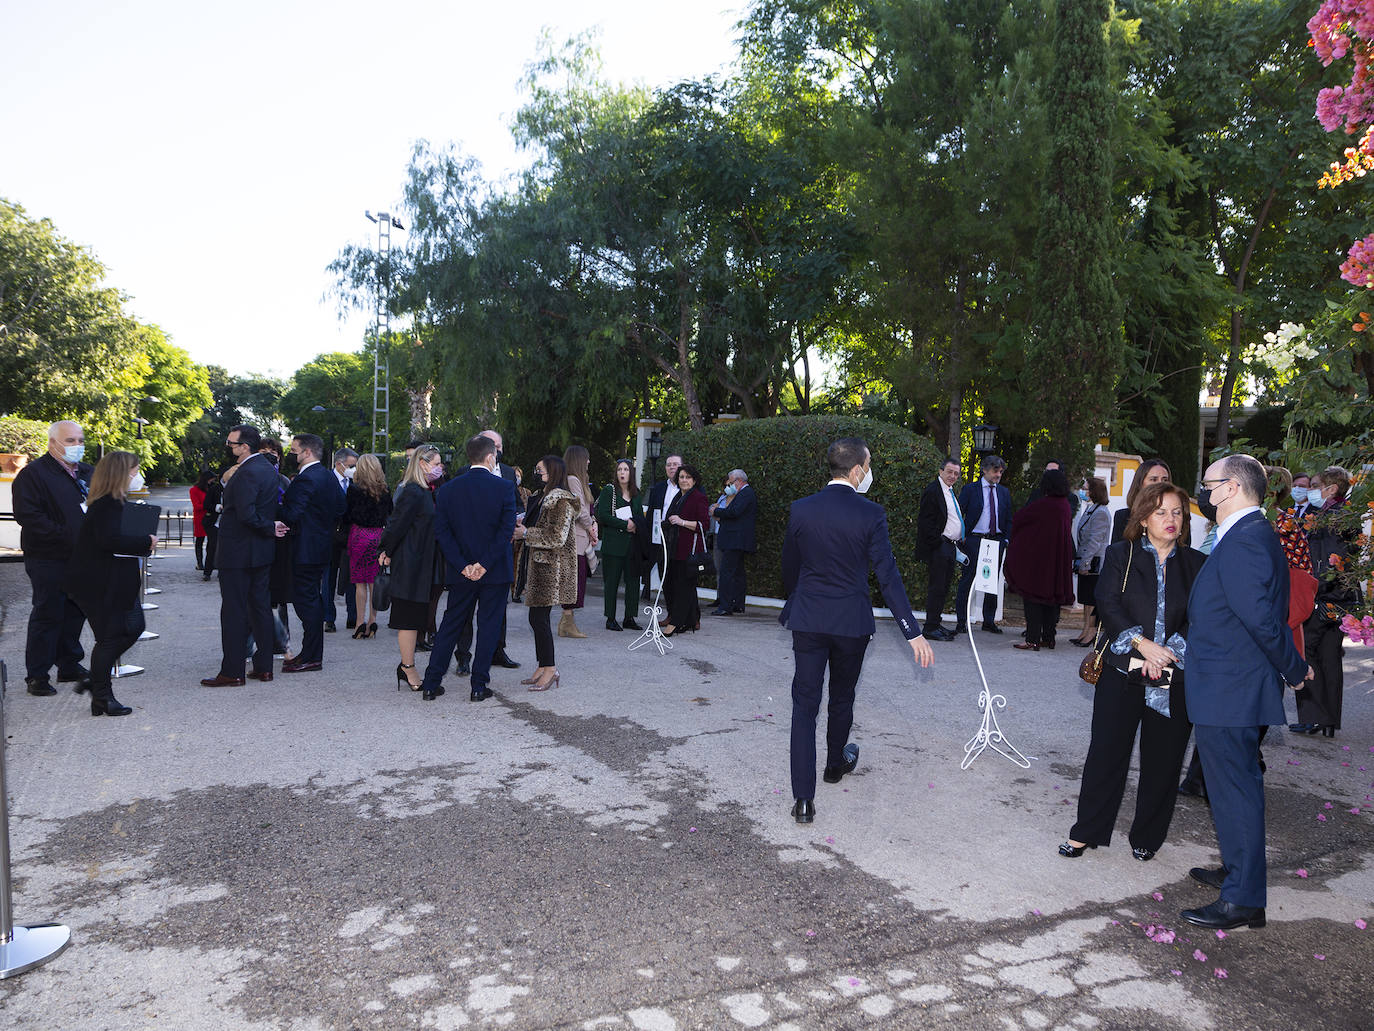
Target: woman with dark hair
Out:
[103,577]
[684,530]
[1320,704]
[576,460]
[551,543]
[1151,471]
[197,492]
[1093,530]
[408,548]
[1040,559]
[618,511]
[214,496]
[1142,598]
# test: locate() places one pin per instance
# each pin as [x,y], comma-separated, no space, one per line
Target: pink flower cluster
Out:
[1361,631]
[1358,270]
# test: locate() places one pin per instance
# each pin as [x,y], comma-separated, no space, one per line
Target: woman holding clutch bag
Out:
[1142,601]
[618,513]
[103,577]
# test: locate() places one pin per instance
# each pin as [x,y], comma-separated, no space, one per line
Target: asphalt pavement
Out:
[326,852]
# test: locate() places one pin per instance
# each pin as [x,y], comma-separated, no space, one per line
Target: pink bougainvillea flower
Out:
[830,841]
[1345,748]
[1035,912]
[1164,936]
[853,982]
[1221,934]
[1176,973]
[1328,805]
[1302,873]
[1321,817]
[1360,924]
[811,934]
[1294,762]
[1221,973]
[1157,896]
[1319,955]
[1199,955]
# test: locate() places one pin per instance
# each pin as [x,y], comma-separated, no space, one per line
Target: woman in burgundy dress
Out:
[369,505]
[685,528]
[1039,564]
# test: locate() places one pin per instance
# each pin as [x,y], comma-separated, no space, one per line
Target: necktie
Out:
[963,530]
[992,509]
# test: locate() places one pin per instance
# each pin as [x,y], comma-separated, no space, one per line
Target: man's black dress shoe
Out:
[504,661]
[961,628]
[110,706]
[464,666]
[265,677]
[939,633]
[1143,854]
[1192,788]
[851,759]
[804,811]
[721,612]
[630,624]
[430,693]
[220,680]
[1303,728]
[1208,876]
[611,624]
[40,688]
[1222,916]
[301,667]
[329,628]
[73,676]
[991,628]
[480,694]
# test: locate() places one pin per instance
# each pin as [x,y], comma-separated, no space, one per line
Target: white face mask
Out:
[866,482]
[136,484]
[348,473]
[73,453]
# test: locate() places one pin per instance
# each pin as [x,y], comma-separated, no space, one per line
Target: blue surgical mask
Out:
[1313,496]
[73,453]
[731,490]
[1082,495]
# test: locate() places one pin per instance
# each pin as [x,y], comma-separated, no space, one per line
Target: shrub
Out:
[785,460]
[23,437]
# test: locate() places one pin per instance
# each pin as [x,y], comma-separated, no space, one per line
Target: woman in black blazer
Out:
[1142,601]
[103,578]
[408,547]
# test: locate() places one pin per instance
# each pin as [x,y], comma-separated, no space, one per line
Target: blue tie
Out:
[963,530]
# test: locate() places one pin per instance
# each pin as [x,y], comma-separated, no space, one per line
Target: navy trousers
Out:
[970,547]
[309,605]
[55,622]
[1235,791]
[489,601]
[813,653]
[245,608]
[732,581]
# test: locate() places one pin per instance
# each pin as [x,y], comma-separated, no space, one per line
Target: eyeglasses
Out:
[1215,483]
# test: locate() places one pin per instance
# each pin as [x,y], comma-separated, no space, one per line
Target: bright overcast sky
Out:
[217,158]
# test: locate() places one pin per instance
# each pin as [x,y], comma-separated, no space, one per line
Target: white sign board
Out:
[987,571]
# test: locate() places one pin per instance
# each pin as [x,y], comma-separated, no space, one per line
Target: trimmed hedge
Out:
[785,460]
[23,437]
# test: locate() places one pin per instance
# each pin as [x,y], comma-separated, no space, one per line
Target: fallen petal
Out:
[1319,955]
[1321,817]
[1221,973]
[1199,955]
[1221,934]
[1176,973]
[1157,896]
[1328,805]
[1302,873]
[1361,924]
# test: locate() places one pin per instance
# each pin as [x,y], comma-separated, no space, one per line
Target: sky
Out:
[215,160]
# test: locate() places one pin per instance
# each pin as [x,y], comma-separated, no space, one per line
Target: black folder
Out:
[139,519]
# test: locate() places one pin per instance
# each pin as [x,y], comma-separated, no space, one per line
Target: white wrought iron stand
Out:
[989,730]
[653,634]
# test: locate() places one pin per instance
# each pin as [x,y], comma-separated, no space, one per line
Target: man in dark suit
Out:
[735,539]
[474,520]
[312,507]
[833,537]
[49,497]
[986,505]
[939,530]
[248,532]
[345,461]
[500,658]
[1240,654]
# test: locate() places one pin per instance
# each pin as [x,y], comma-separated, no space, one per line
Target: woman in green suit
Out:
[620,514]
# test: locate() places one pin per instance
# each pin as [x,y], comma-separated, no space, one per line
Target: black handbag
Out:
[702,561]
[381,589]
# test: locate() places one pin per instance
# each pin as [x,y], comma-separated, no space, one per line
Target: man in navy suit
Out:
[248,532]
[474,520]
[833,537]
[986,505]
[312,507]
[1240,654]
[735,539]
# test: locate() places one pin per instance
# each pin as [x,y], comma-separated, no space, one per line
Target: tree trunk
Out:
[1228,383]
[684,353]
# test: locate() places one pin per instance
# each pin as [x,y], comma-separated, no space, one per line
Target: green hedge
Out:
[785,460]
[23,437]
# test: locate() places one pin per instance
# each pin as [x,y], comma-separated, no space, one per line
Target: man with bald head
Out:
[49,504]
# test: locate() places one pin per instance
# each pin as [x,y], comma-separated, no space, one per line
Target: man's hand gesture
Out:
[920,648]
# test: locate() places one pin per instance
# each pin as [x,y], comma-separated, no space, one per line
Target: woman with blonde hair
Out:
[576,460]
[103,576]
[369,506]
[408,547]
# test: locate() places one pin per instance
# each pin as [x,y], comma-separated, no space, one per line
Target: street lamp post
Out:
[984,440]
[139,421]
[655,448]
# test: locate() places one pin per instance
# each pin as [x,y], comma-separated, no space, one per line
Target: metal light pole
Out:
[381,365]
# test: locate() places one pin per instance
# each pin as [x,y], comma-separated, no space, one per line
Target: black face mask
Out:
[500,457]
[1205,506]
[537,481]
[271,456]
[232,454]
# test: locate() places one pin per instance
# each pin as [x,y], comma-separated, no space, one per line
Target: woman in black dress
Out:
[684,528]
[407,546]
[103,576]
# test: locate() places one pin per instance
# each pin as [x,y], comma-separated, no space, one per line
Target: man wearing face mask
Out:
[311,507]
[49,504]
[833,538]
[735,538]
[1240,655]
[345,461]
[500,658]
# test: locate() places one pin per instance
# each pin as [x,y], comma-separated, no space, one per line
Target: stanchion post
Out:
[27,946]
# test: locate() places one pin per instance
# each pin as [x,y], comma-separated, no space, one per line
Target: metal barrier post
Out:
[147,635]
[27,946]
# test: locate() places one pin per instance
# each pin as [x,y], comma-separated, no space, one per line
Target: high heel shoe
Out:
[667,629]
[108,706]
[1026,646]
[371,630]
[544,685]
[533,678]
[361,632]
[402,677]
[1328,731]
[1073,851]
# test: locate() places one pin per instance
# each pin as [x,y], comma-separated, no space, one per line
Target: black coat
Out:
[103,585]
[409,542]
[930,520]
[736,520]
[312,507]
[47,507]
[1135,605]
[247,526]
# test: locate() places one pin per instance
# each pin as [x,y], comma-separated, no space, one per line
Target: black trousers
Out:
[309,605]
[211,542]
[1119,709]
[812,653]
[55,622]
[1041,622]
[941,566]
[970,547]
[200,552]
[464,645]
[681,588]
[732,581]
[110,644]
[543,634]
[245,608]
[1320,699]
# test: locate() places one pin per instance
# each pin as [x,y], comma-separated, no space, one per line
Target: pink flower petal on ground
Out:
[1345,748]
[1164,936]
[1221,934]
[1157,896]
[811,934]
[1355,811]
[1361,924]
[1035,912]
[1221,973]
[1301,873]
[1116,923]
[830,841]
[1319,955]
[691,830]
[777,791]
[1176,973]
[1345,764]
[1294,762]
[1199,955]
[930,785]
[1321,817]
[853,982]
[1328,805]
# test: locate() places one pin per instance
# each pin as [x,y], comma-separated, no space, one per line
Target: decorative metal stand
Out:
[147,635]
[31,945]
[652,633]
[989,731]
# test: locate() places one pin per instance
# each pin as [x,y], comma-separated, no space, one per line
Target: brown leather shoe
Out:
[220,680]
[301,667]
[266,678]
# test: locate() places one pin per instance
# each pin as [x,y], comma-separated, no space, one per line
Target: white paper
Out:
[624,513]
[658,526]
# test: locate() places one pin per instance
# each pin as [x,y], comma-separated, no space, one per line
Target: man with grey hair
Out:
[49,504]
[1240,655]
[345,461]
[735,539]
